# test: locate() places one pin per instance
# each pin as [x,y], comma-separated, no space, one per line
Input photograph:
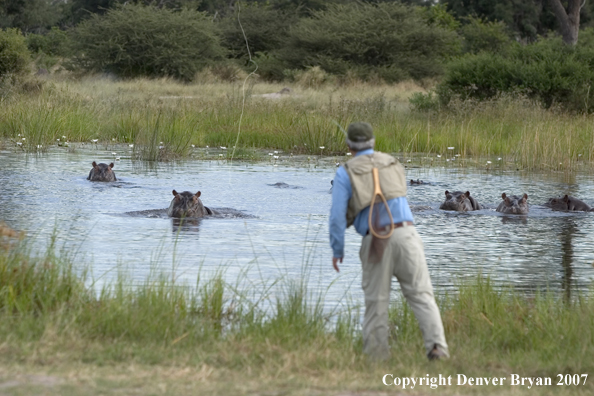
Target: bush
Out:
[14,55]
[548,72]
[55,43]
[479,35]
[387,40]
[136,40]
[266,29]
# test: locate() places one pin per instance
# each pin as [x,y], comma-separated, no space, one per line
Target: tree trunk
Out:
[569,20]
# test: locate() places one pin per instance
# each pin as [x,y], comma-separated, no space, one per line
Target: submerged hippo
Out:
[186,204]
[102,172]
[416,182]
[459,201]
[513,204]
[568,203]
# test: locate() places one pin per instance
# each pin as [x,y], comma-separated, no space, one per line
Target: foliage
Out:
[14,55]
[30,15]
[266,29]
[146,41]
[479,35]
[388,40]
[547,71]
[55,43]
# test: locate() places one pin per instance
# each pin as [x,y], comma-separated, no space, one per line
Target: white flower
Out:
[193,146]
[349,154]
[337,164]
[19,135]
[450,148]
[322,147]
[407,160]
[447,160]
[275,157]
[130,145]
[223,148]
[457,155]
[23,139]
[498,159]
[63,137]
[579,155]
[19,144]
[117,158]
[276,152]
[488,162]
[438,156]
[206,146]
[94,140]
[161,147]
[160,142]
[114,154]
[220,155]
[113,139]
[39,146]
[270,154]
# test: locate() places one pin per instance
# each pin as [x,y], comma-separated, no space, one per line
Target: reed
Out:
[50,313]
[148,112]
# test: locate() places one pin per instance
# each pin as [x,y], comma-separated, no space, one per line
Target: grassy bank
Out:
[163,119]
[57,334]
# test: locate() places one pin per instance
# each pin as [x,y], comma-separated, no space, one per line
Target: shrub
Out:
[55,43]
[548,72]
[14,55]
[479,35]
[136,40]
[266,29]
[387,40]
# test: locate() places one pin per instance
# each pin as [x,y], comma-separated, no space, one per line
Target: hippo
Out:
[568,203]
[102,172]
[459,201]
[513,204]
[416,182]
[187,204]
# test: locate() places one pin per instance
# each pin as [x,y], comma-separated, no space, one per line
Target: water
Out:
[272,233]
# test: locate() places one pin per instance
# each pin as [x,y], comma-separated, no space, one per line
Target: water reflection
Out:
[568,230]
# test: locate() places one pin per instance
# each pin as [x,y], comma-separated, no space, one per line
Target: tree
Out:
[568,18]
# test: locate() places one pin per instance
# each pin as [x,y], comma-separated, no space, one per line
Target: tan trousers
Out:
[404,257]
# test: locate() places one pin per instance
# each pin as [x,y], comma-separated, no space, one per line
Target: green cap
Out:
[360,136]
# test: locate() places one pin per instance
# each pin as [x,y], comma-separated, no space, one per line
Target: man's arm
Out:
[341,193]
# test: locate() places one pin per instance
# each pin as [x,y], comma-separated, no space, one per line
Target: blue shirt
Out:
[342,192]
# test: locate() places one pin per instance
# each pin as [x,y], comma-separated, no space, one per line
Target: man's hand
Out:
[335,261]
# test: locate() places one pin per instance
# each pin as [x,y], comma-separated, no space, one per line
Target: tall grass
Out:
[49,311]
[163,119]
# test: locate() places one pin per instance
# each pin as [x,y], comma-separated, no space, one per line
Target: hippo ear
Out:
[111,165]
[174,193]
[94,164]
[525,196]
[468,193]
[198,194]
[566,198]
[447,192]
[503,196]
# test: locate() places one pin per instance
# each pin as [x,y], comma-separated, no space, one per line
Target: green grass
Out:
[164,119]
[194,338]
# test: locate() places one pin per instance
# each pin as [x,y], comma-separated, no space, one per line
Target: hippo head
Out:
[457,200]
[186,204]
[559,203]
[102,172]
[513,204]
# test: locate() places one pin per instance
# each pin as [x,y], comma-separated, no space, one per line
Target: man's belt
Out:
[401,224]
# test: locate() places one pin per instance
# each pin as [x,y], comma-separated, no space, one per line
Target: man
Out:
[401,254]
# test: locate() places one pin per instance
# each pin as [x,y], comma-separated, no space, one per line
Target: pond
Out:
[280,231]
